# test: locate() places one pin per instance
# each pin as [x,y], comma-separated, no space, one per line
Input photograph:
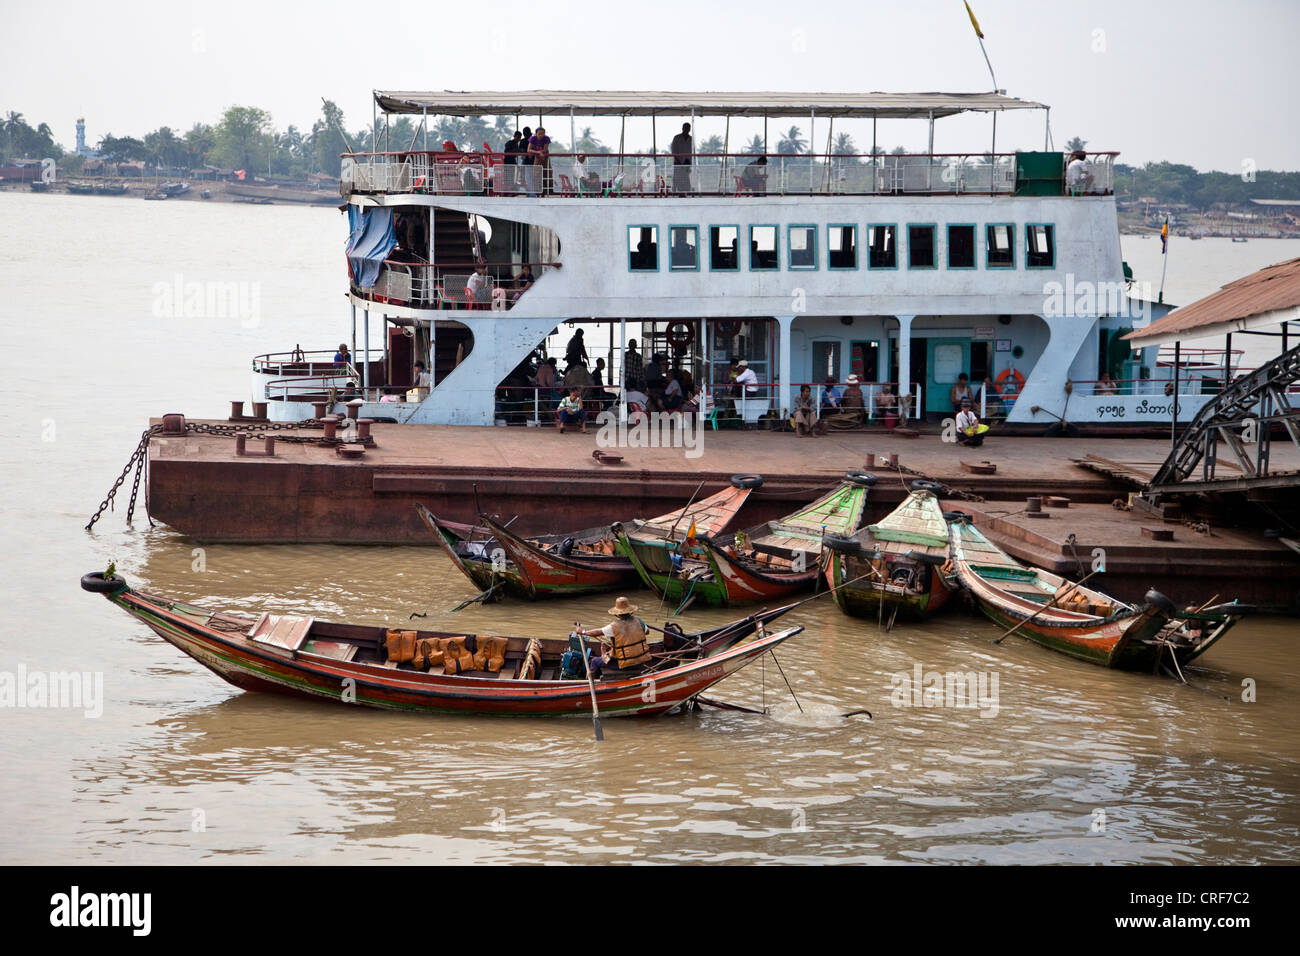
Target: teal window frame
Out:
[685,225]
[810,229]
[857,246]
[975,248]
[867,236]
[1011,244]
[658,245]
[776,246]
[1051,227]
[725,225]
[934,232]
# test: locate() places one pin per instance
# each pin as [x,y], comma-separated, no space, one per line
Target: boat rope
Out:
[1071,541]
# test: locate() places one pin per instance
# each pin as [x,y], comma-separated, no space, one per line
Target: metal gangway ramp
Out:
[1249,407]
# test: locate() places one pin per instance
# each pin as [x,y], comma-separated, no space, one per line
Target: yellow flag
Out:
[973,22]
[691,533]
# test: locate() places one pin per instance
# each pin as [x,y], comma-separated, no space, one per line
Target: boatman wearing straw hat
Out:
[626,633]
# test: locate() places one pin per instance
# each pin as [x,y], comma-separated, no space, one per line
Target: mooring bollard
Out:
[889,461]
[320,408]
[173,424]
[331,423]
[1033,505]
[870,461]
[241,443]
[363,428]
[269,446]
[259,410]
[236,409]
[354,408]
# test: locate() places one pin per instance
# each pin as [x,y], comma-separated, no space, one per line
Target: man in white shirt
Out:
[1077,176]
[476,289]
[747,378]
[968,426]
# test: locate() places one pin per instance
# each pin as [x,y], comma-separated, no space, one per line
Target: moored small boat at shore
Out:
[896,566]
[582,562]
[1079,621]
[767,562]
[377,667]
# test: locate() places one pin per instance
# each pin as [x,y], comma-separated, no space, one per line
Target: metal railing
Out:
[432,285]
[299,362]
[873,404]
[710,174]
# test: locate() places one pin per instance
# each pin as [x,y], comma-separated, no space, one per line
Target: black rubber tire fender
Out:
[862,479]
[96,583]
[747,481]
[841,545]
[955,516]
[933,487]
[1156,599]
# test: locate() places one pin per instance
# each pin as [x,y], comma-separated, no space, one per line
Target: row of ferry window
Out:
[882,252]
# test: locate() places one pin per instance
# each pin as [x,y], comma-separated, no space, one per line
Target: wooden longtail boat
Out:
[1080,621]
[348,663]
[583,562]
[767,562]
[896,565]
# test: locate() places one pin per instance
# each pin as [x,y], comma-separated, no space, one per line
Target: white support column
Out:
[905,358]
[354,331]
[783,345]
[433,351]
[622,365]
[365,369]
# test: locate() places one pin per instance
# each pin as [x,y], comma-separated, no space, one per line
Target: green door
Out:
[946,359]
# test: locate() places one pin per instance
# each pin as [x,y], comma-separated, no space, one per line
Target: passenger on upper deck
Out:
[1077,177]
[523,282]
[539,152]
[683,150]
[513,151]
[342,356]
[1105,386]
[478,288]
[754,176]
[589,181]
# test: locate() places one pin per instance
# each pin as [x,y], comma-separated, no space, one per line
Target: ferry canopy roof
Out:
[1265,298]
[641,103]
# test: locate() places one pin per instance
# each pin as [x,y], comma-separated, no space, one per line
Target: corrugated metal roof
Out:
[1267,297]
[647,103]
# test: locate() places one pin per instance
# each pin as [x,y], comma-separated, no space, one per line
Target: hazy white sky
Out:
[1207,83]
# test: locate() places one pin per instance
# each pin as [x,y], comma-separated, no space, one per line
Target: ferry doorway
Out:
[946,358]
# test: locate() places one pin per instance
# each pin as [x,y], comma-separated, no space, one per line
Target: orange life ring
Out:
[1010,374]
[681,335]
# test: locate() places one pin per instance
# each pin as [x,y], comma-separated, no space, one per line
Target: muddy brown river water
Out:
[1065,763]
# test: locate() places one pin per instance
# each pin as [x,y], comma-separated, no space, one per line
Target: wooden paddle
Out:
[591,682]
[1049,604]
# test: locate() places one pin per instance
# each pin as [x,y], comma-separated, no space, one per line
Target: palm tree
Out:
[756,145]
[791,143]
[588,143]
[1076,143]
[713,144]
[844,146]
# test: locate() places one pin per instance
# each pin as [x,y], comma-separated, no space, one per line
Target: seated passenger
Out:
[571,412]
[804,417]
[754,176]
[523,282]
[852,410]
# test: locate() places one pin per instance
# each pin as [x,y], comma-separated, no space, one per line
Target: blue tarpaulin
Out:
[371,238]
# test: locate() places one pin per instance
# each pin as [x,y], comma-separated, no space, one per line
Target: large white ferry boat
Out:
[906,271]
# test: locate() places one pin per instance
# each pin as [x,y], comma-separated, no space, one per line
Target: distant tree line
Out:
[245,138]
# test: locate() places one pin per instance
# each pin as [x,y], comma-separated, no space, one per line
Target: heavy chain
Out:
[139,457]
[948,489]
[136,460]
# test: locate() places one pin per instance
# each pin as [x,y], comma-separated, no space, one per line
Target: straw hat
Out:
[851,380]
[622,606]
[743,363]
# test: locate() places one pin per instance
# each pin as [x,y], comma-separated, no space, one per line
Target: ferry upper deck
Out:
[903,268]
